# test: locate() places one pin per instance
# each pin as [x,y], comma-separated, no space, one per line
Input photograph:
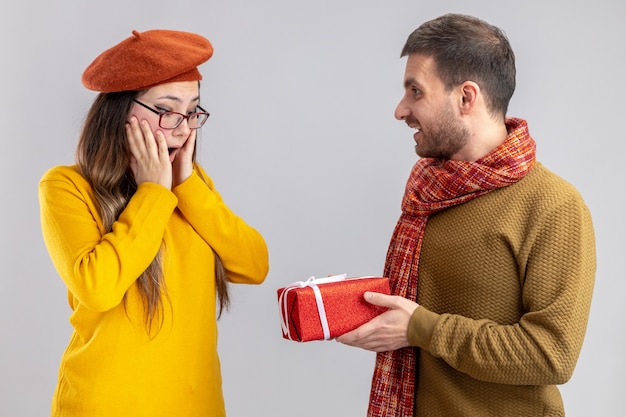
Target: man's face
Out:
[428,108]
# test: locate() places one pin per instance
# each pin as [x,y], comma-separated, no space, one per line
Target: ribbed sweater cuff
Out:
[421,327]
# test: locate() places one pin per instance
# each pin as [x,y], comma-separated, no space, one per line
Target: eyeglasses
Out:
[172,119]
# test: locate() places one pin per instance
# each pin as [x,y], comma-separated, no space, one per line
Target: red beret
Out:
[147,59]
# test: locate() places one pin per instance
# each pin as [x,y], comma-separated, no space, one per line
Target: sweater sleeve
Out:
[544,345]
[99,266]
[240,247]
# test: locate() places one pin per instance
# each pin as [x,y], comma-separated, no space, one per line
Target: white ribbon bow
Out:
[311,282]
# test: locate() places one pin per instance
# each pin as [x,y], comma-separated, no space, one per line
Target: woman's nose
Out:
[183,128]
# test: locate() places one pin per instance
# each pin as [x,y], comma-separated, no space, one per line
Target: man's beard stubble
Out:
[444,140]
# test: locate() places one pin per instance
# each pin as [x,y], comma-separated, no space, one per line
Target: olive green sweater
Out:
[505,285]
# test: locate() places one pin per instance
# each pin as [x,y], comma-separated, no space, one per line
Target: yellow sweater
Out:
[111,367]
[505,285]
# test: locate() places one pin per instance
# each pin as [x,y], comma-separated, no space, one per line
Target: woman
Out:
[143,241]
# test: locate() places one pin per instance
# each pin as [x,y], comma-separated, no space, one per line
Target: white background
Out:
[302,143]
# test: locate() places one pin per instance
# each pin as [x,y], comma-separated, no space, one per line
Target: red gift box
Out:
[325,308]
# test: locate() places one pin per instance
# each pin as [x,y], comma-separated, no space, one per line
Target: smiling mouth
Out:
[414,125]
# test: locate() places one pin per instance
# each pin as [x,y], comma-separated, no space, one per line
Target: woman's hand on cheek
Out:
[182,167]
[149,160]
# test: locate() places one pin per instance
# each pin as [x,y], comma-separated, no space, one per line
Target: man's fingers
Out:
[379,299]
[351,338]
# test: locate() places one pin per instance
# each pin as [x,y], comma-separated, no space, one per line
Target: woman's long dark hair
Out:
[103,158]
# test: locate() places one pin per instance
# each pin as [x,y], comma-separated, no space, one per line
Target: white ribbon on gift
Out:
[311,282]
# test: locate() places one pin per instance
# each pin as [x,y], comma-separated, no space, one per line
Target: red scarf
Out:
[434,185]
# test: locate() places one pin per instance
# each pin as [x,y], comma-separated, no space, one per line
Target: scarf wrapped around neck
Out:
[434,185]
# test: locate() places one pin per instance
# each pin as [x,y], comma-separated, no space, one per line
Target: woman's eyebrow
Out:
[177,99]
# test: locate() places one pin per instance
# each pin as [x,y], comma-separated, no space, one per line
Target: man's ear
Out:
[469,92]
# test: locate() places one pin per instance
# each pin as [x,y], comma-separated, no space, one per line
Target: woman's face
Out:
[181,97]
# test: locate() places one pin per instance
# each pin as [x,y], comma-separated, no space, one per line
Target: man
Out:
[492,261]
